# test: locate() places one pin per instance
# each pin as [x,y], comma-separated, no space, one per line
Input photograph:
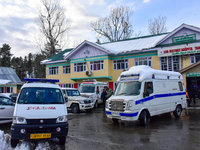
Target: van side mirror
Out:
[66,99]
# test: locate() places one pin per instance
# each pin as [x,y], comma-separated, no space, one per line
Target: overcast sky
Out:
[18,25]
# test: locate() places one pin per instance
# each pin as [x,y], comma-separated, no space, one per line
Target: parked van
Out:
[40,112]
[93,89]
[143,92]
[76,102]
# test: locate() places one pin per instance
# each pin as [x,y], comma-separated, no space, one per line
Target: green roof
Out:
[59,56]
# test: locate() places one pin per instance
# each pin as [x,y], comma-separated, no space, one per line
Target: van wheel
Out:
[144,119]
[96,104]
[177,111]
[62,140]
[74,108]
[88,110]
[14,142]
[115,120]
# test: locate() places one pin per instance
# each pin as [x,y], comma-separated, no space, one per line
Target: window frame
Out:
[125,62]
[53,70]
[148,59]
[65,69]
[169,62]
[81,64]
[101,65]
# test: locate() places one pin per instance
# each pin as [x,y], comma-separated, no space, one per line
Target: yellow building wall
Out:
[186,61]
[108,68]
[155,62]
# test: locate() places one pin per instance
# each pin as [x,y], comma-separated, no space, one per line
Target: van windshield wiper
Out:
[121,93]
[132,94]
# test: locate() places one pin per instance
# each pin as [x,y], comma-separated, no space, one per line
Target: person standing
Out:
[192,93]
[103,98]
[196,89]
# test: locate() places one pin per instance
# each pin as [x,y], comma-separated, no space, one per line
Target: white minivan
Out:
[40,112]
[143,92]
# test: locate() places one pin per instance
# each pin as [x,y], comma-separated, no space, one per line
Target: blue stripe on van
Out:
[129,114]
[124,114]
[158,96]
[108,112]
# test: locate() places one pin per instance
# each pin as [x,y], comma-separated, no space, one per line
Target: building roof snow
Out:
[134,44]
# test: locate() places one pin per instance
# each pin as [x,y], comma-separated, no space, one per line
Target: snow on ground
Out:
[25,145]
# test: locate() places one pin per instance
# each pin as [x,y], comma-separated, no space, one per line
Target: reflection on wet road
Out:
[95,131]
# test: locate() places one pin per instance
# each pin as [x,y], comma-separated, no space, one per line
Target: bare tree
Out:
[158,25]
[117,26]
[53,25]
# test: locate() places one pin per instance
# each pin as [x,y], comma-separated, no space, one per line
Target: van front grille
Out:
[117,105]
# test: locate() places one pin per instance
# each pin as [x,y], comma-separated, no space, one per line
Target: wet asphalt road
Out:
[94,131]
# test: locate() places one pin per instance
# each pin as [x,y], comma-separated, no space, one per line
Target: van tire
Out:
[62,140]
[177,111]
[96,104]
[14,143]
[75,108]
[144,118]
[115,120]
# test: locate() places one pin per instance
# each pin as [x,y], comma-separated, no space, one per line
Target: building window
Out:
[9,89]
[120,64]
[97,65]
[66,69]
[80,67]
[170,63]
[70,85]
[143,61]
[53,70]
[194,58]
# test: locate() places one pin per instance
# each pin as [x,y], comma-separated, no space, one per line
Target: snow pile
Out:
[65,54]
[146,72]
[45,61]
[25,145]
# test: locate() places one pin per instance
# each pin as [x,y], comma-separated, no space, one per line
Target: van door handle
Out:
[181,98]
[154,97]
[2,108]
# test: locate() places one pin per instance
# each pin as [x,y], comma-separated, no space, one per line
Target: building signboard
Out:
[193,74]
[179,50]
[183,38]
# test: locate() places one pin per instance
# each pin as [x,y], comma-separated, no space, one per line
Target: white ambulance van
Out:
[40,112]
[143,92]
[76,102]
[93,89]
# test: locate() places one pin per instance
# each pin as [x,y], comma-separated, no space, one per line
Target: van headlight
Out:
[19,120]
[61,119]
[81,101]
[129,104]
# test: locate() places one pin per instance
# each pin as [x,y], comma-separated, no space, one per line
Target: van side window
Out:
[148,87]
[180,86]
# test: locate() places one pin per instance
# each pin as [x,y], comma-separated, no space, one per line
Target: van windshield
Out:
[73,93]
[128,88]
[87,89]
[40,96]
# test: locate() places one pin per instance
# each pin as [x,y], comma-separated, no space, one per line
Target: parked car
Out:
[6,109]
[76,102]
[13,96]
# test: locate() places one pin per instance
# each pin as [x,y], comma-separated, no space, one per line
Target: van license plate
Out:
[40,136]
[115,113]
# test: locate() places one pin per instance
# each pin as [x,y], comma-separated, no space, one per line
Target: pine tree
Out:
[5,56]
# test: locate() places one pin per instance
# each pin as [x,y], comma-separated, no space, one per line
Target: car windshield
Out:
[128,88]
[73,93]
[40,96]
[87,89]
